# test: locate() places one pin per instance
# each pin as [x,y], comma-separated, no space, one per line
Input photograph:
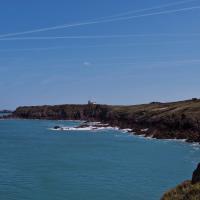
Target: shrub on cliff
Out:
[188,190]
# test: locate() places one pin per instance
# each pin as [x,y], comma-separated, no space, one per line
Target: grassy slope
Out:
[185,191]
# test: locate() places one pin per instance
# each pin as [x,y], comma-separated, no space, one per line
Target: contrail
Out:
[99,36]
[100,21]
[148,9]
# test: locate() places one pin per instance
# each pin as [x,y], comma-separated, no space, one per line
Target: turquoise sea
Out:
[37,163]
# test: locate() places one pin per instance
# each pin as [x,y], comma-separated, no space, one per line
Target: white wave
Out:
[196,146]
[149,138]
[126,129]
[175,139]
[72,129]
[144,137]
[144,130]
[88,128]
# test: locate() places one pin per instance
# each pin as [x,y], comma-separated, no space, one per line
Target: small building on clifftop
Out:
[91,102]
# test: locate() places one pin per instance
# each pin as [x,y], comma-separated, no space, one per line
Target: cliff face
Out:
[65,112]
[196,175]
[179,120]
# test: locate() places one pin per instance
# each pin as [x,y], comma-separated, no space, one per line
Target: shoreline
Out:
[123,130]
[131,131]
[174,120]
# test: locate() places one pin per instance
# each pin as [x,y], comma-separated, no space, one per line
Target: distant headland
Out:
[5,111]
[174,120]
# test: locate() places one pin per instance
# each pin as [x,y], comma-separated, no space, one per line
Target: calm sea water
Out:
[39,164]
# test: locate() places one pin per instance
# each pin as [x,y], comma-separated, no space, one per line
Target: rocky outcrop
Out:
[178,120]
[184,191]
[196,175]
[188,190]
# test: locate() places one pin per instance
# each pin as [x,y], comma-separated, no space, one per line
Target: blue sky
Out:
[136,56]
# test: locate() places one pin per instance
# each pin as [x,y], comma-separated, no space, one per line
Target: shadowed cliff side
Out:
[180,120]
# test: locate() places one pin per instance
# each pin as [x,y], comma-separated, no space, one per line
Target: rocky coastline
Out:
[175,120]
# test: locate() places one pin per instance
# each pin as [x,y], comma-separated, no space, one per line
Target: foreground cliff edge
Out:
[175,120]
[188,190]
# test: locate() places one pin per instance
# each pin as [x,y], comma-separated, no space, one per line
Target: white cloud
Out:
[86,63]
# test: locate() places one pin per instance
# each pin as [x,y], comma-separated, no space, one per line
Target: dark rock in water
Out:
[56,127]
[196,175]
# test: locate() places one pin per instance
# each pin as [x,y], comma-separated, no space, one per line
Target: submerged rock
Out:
[56,127]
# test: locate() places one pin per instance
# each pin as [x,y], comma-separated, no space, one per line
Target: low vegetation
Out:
[188,190]
[185,191]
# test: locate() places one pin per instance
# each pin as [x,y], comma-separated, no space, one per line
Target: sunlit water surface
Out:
[37,163]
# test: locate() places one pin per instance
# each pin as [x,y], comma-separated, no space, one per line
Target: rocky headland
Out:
[188,190]
[175,120]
